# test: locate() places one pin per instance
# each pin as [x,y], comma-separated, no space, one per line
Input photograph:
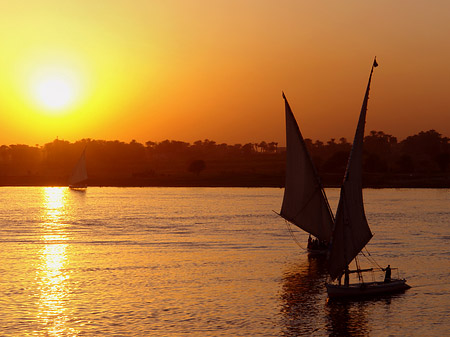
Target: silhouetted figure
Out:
[346,277]
[387,275]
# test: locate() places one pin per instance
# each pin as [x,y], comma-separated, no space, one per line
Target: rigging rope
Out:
[370,258]
[288,224]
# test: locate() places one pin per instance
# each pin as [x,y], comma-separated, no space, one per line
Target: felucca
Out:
[78,179]
[351,231]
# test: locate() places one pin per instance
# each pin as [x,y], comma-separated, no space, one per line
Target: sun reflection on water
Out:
[52,274]
[54,201]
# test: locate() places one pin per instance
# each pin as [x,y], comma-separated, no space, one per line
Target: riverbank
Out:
[233,179]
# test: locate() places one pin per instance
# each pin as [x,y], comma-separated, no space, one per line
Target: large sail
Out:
[304,202]
[79,175]
[351,232]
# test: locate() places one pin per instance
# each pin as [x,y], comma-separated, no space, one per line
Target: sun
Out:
[54,90]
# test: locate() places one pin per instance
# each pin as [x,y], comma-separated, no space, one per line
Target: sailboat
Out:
[78,179]
[351,231]
[304,202]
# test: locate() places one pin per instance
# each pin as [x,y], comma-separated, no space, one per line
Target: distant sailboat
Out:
[351,231]
[78,179]
[304,203]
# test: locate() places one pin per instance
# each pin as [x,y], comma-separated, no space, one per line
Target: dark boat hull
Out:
[316,247]
[312,251]
[366,289]
[81,187]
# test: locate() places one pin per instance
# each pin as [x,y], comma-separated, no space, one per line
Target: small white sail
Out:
[351,232]
[79,174]
[304,202]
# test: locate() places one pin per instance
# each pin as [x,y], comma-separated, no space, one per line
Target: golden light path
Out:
[52,275]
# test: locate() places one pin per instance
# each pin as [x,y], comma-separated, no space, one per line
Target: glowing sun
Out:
[54,90]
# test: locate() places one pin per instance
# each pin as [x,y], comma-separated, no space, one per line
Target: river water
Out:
[207,262]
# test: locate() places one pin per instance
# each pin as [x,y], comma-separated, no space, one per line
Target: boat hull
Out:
[312,251]
[316,247]
[366,289]
[81,187]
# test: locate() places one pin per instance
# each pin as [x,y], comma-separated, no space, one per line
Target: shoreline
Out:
[430,185]
[236,179]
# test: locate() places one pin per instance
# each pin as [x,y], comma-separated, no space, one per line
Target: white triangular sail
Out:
[79,174]
[351,232]
[304,202]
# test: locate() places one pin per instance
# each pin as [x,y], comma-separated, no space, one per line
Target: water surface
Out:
[207,262]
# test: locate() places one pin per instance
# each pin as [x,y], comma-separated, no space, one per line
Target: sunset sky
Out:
[191,70]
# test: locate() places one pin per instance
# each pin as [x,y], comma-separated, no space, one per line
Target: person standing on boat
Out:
[387,275]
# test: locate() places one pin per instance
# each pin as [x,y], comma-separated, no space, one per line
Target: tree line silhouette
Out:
[419,160]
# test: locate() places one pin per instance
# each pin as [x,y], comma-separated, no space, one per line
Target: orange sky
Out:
[190,70]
